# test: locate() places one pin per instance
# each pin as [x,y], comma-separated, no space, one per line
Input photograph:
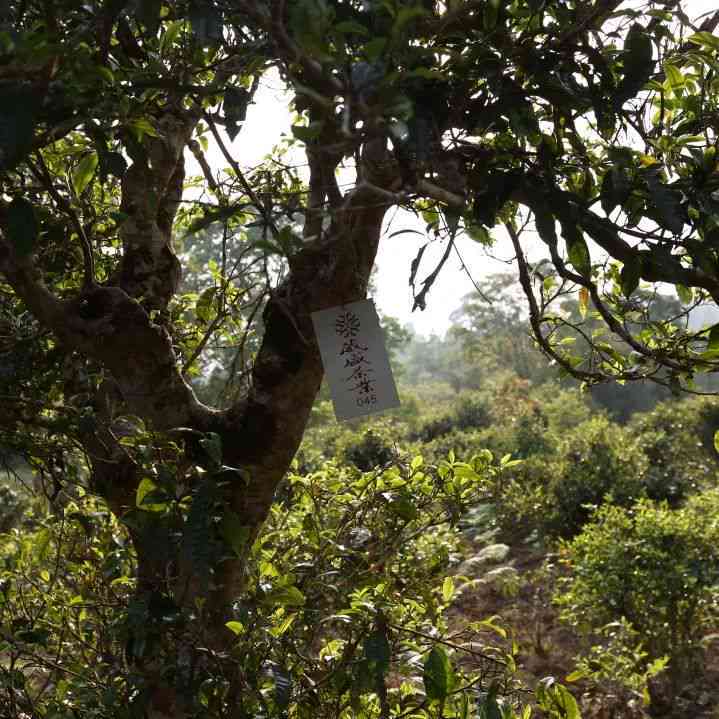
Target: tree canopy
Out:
[593,122]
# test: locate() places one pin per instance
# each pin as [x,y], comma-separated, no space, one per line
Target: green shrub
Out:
[464,443]
[678,440]
[469,411]
[656,567]
[366,444]
[371,449]
[342,614]
[433,428]
[472,411]
[618,663]
[595,460]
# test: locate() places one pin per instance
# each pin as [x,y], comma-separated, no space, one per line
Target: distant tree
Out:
[491,328]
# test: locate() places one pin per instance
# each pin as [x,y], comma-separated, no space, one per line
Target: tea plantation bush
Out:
[342,614]
[677,439]
[656,567]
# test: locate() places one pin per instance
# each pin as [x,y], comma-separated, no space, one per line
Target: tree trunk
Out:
[115,325]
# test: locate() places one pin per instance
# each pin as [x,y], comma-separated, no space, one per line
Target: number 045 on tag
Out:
[355,359]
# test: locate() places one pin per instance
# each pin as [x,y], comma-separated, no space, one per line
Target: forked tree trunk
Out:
[112,325]
[262,433]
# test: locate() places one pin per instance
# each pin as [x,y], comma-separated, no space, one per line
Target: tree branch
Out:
[43,175]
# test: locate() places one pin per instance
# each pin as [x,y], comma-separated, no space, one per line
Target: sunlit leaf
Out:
[236,628]
[286,596]
[205,304]
[83,172]
[447,589]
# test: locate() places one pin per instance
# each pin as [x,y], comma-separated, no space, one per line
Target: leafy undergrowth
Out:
[526,621]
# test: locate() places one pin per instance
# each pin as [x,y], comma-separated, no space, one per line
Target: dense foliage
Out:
[654,567]
[164,557]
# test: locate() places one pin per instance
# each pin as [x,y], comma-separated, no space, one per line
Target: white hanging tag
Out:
[355,359]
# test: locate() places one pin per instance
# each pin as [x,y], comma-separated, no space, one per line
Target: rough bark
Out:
[116,326]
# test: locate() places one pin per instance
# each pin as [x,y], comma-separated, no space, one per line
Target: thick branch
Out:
[104,324]
[151,191]
[262,432]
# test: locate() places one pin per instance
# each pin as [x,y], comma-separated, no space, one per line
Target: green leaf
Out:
[112,163]
[673,75]
[567,702]
[83,172]
[20,106]
[140,127]
[234,532]
[545,223]
[556,700]
[630,275]
[685,294]
[487,705]
[616,188]
[666,202]
[212,444]
[583,302]
[403,506]
[236,628]
[576,676]
[706,39]
[33,636]
[235,105]
[283,626]
[713,338]
[147,491]
[288,240]
[497,191]
[377,651]
[105,73]
[638,64]
[289,596]
[438,676]
[309,23]
[22,226]
[428,73]
[716,441]
[351,27]
[204,304]
[578,254]
[414,265]
[447,589]
[148,13]
[490,15]
[206,21]
[374,48]
[170,35]
[405,16]
[451,218]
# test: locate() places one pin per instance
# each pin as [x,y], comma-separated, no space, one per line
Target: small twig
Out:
[196,150]
[446,643]
[259,205]
[43,175]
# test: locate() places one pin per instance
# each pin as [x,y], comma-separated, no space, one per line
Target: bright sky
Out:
[268,118]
